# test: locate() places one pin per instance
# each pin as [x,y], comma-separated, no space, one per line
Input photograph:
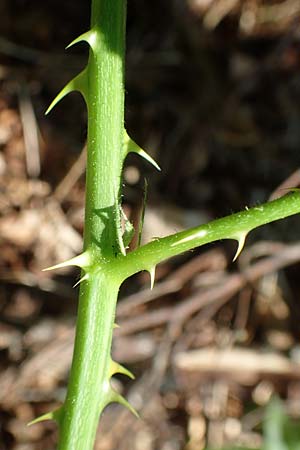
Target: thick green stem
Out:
[88,389]
[90,371]
[105,101]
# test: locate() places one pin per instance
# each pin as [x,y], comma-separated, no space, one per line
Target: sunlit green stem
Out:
[90,373]
[235,226]
[105,101]
[91,364]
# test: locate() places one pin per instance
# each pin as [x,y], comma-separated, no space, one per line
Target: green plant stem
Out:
[105,125]
[236,226]
[89,376]
[91,364]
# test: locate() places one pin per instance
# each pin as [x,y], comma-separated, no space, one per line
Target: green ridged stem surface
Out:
[90,373]
[104,95]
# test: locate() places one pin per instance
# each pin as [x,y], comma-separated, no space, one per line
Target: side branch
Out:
[236,226]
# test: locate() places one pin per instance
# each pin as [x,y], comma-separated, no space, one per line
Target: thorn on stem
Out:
[82,261]
[118,368]
[79,83]
[55,415]
[114,397]
[241,242]
[89,37]
[152,276]
[84,278]
[131,146]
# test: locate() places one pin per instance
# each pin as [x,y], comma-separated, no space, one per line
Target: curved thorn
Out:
[84,278]
[79,83]
[89,37]
[115,325]
[148,158]
[82,261]
[131,146]
[241,242]
[120,399]
[114,397]
[152,276]
[52,415]
[118,368]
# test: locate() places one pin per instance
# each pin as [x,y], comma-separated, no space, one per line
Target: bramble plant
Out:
[105,262]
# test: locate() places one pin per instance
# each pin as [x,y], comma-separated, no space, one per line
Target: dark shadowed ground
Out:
[213,93]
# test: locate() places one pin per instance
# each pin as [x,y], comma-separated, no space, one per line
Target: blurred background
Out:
[213,94]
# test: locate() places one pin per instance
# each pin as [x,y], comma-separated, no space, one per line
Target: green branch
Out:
[236,226]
